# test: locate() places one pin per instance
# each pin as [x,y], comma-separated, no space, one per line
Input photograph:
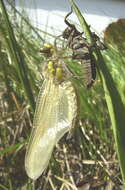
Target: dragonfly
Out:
[56,113]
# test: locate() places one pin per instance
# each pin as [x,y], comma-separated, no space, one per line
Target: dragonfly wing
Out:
[55,113]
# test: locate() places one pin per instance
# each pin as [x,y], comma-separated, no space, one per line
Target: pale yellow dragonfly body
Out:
[56,112]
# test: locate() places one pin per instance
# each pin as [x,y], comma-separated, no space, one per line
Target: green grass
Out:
[90,155]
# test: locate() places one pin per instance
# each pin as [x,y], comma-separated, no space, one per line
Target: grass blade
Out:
[17,57]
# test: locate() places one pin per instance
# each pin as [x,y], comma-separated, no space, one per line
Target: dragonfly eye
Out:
[48,45]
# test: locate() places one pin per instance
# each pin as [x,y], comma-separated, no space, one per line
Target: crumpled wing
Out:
[56,110]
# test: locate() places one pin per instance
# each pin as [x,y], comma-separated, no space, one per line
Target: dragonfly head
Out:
[47,50]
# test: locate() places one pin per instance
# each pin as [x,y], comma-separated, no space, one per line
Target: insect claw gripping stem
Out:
[66,21]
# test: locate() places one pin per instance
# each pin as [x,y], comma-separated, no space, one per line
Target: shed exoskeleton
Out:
[82,50]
